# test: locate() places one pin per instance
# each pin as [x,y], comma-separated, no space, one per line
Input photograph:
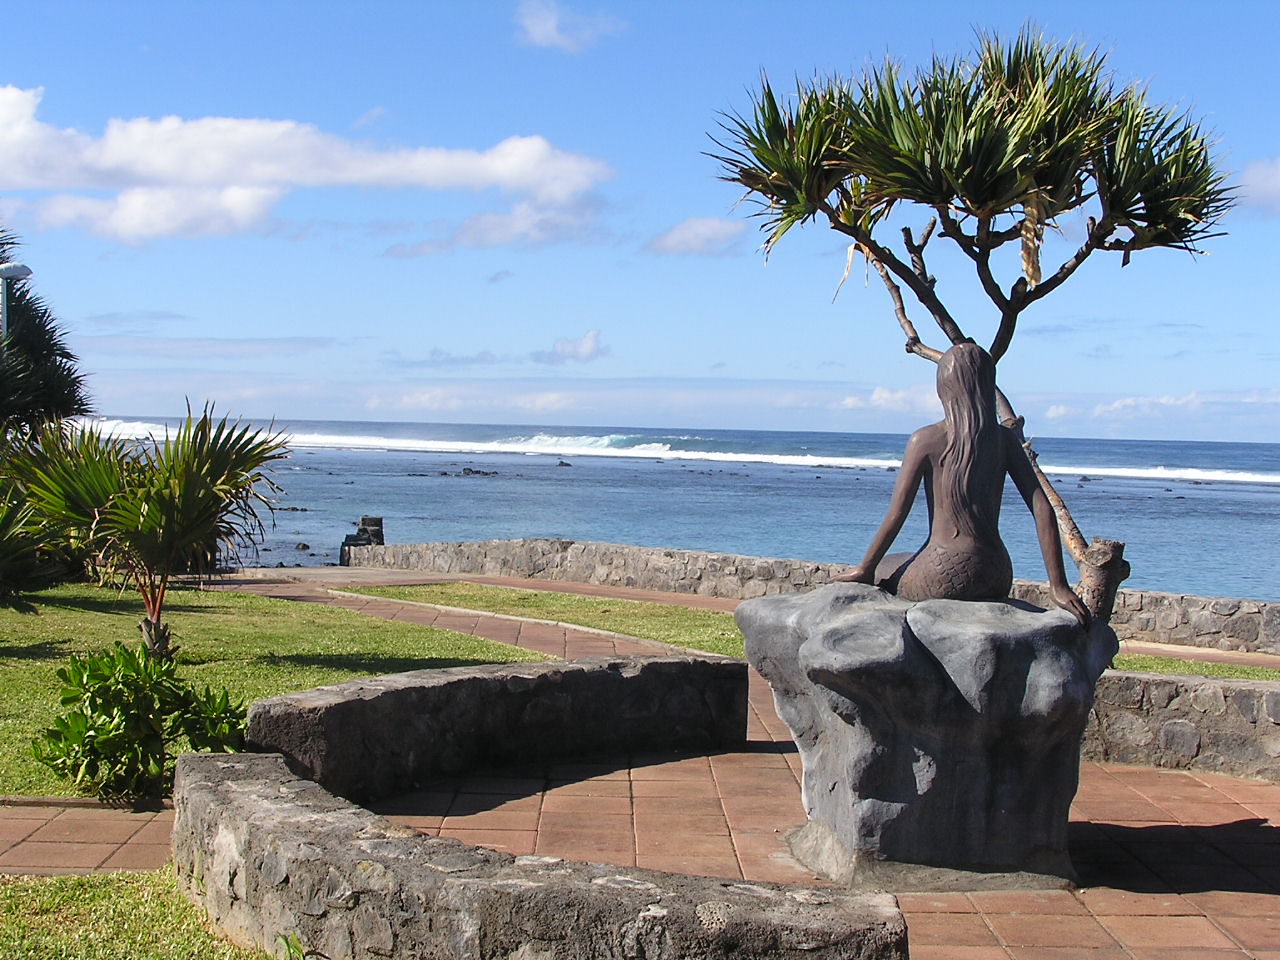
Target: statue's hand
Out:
[858,574]
[1066,598]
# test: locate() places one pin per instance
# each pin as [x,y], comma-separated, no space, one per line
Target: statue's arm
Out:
[1024,479]
[914,462]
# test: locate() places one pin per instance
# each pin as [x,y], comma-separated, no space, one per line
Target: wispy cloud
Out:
[1260,184]
[444,359]
[565,350]
[1127,407]
[368,118]
[204,348]
[526,224]
[134,317]
[220,175]
[707,236]
[584,349]
[912,400]
[545,23]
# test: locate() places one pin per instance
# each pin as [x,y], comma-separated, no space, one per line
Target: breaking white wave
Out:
[637,446]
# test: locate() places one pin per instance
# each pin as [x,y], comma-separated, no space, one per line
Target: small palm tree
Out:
[186,496]
[997,148]
[145,512]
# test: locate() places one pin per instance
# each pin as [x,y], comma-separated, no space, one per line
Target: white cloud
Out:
[141,213]
[368,118]
[1127,407]
[703,235]
[540,402]
[582,350]
[432,399]
[224,174]
[443,358]
[1260,184]
[912,400]
[203,348]
[1262,396]
[526,224]
[545,23]
[1057,411]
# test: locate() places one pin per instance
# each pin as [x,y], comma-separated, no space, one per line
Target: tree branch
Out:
[952,230]
[1099,231]
[982,260]
[1013,307]
[922,289]
[914,344]
[917,250]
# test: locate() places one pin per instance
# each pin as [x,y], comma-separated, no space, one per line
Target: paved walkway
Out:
[1173,864]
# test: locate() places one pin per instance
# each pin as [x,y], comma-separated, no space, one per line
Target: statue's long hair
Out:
[971,469]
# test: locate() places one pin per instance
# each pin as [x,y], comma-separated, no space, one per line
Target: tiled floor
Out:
[1173,864]
[60,836]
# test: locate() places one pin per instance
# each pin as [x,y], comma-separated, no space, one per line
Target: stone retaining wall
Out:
[376,737]
[1196,723]
[1221,623]
[269,855]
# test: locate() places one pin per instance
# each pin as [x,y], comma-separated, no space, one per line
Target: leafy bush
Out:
[26,558]
[129,715]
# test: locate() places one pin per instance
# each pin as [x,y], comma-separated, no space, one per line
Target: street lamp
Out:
[8,271]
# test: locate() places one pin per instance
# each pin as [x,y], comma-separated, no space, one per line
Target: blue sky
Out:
[501,212]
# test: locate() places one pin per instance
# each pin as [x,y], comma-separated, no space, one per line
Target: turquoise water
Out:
[1200,518]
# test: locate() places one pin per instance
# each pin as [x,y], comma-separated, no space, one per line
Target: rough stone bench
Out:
[266,846]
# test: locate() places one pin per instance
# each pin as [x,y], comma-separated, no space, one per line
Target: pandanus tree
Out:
[1022,137]
[39,378]
[143,513]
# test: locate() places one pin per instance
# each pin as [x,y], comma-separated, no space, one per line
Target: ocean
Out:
[1199,518]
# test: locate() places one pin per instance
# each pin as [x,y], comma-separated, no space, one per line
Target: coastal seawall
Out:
[1222,623]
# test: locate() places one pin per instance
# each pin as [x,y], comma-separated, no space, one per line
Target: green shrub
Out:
[26,558]
[128,715]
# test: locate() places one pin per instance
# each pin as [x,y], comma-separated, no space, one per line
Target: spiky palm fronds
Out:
[186,495]
[143,512]
[39,379]
[1027,130]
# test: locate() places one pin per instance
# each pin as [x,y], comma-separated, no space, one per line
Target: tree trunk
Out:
[1101,564]
[156,636]
[1102,571]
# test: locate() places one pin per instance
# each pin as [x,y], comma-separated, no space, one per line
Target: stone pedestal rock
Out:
[940,739]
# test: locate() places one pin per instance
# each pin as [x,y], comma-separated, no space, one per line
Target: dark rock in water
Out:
[292,509]
[564,463]
[940,739]
[302,546]
[470,472]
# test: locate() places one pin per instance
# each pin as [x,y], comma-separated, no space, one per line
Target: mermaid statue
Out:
[963,461]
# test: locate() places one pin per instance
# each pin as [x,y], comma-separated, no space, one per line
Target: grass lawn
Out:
[696,629]
[254,646]
[108,916]
[1199,668]
[705,630]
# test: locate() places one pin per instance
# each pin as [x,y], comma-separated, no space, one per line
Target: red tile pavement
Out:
[78,836]
[1173,864]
